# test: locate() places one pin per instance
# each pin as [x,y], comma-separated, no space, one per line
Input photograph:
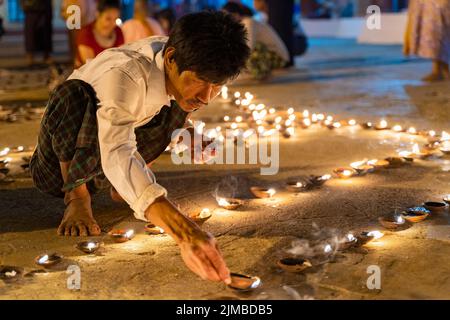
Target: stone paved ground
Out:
[337,77]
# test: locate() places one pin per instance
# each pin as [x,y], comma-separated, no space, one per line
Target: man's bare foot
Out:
[78,219]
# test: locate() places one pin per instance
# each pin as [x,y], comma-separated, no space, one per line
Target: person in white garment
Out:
[115,115]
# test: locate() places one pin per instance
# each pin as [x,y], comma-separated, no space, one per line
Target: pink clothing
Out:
[134,30]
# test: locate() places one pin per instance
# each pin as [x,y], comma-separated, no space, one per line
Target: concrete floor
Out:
[337,77]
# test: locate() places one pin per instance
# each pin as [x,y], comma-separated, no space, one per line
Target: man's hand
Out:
[198,248]
[203,257]
[200,152]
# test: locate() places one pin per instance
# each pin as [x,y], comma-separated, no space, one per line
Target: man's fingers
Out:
[208,268]
[67,231]
[218,263]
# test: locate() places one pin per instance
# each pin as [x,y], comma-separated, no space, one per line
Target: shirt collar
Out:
[157,93]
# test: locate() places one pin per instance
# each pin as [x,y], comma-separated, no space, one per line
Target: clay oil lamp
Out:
[121,235]
[296,186]
[432,146]
[392,221]
[89,246]
[396,162]
[447,199]
[445,148]
[10,273]
[362,167]
[378,164]
[347,242]
[152,229]
[260,192]
[382,125]
[435,207]
[345,173]
[317,181]
[367,125]
[397,128]
[412,130]
[294,264]
[367,236]
[202,216]
[48,259]
[416,214]
[229,204]
[244,283]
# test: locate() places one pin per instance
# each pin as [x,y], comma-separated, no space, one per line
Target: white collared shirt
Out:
[130,85]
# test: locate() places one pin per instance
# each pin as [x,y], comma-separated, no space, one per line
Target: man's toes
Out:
[94,230]
[74,231]
[61,229]
[83,230]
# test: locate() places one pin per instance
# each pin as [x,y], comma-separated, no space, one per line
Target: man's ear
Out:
[169,61]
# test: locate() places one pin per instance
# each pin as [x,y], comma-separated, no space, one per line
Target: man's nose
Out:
[205,95]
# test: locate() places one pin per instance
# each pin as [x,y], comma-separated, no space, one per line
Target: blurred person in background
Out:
[2,30]
[38,28]
[166,19]
[103,33]
[87,15]
[428,35]
[268,50]
[141,25]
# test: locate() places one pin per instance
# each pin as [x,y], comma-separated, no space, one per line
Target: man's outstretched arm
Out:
[198,248]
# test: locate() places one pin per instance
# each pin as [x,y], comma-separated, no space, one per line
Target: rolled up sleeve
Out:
[121,162]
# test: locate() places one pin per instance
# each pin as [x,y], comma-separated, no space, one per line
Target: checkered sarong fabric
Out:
[69,132]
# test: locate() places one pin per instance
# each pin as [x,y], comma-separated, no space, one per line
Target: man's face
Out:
[189,90]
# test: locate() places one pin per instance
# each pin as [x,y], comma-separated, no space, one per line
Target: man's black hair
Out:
[103,5]
[211,44]
[238,8]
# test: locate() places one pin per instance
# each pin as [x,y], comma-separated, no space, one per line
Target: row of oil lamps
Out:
[257,116]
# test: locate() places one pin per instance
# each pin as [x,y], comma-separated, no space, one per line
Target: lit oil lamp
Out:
[362,167]
[10,273]
[344,173]
[392,221]
[447,199]
[382,125]
[296,186]
[202,216]
[397,128]
[229,204]
[416,214]
[89,246]
[152,229]
[48,259]
[352,122]
[433,146]
[241,282]
[435,207]
[412,130]
[347,242]
[294,264]
[445,148]
[367,236]
[367,125]
[121,235]
[260,192]
[396,162]
[317,181]
[378,164]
